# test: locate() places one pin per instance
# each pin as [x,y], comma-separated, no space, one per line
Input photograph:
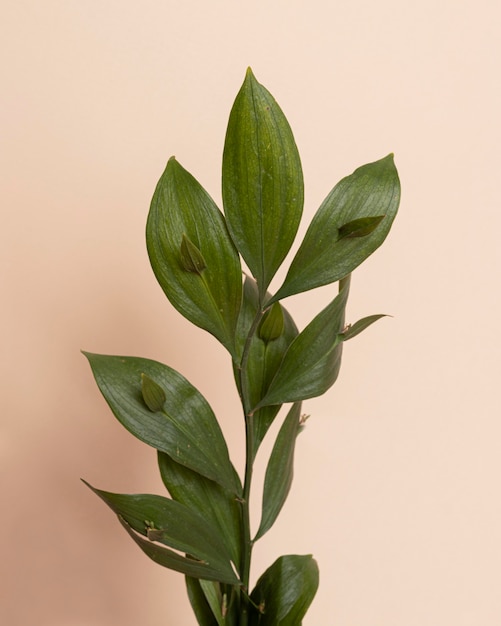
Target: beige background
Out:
[398,476]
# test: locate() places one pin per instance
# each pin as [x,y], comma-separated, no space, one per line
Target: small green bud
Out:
[191,257]
[272,324]
[360,227]
[153,395]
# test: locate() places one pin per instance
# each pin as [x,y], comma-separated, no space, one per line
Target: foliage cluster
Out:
[203,528]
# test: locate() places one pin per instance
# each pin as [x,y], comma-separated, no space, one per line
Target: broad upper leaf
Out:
[350,224]
[175,525]
[192,254]
[262,181]
[285,591]
[279,471]
[185,428]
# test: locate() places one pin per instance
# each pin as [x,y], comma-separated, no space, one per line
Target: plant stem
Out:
[246,540]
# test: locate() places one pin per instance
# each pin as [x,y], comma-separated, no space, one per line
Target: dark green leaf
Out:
[285,591]
[218,506]
[262,181]
[175,525]
[168,558]
[311,364]
[192,254]
[358,327]
[279,472]
[186,429]
[264,358]
[325,255]
[199,604]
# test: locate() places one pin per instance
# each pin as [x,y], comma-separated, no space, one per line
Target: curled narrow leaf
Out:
[191,257]
[153,395]
[262,181]
[279,472]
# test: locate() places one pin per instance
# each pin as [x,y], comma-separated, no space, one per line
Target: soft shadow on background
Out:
[398,473]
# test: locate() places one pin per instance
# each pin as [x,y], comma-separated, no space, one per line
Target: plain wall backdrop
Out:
[398,473]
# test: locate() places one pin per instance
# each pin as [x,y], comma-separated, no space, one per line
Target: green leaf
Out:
[186,428]
[175,525]
[262,181]
[218,506]
[311,364]
[280,469]
[212,592]
[174,561]
[264,358]
[346,229]
[285,591]
[192,254]
[358,327]
[199,604]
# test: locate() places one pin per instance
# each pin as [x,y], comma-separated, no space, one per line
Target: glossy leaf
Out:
[264,358]
[174,561]
[186,428]
[327,254]
[285,591]
[311,364]
[174,525]
[192,254]
[279,472]
[262,181]
[218,506]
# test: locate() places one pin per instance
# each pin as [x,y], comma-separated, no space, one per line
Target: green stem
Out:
[246,540]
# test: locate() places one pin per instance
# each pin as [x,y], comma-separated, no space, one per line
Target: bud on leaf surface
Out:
[191,257]
[153,395]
